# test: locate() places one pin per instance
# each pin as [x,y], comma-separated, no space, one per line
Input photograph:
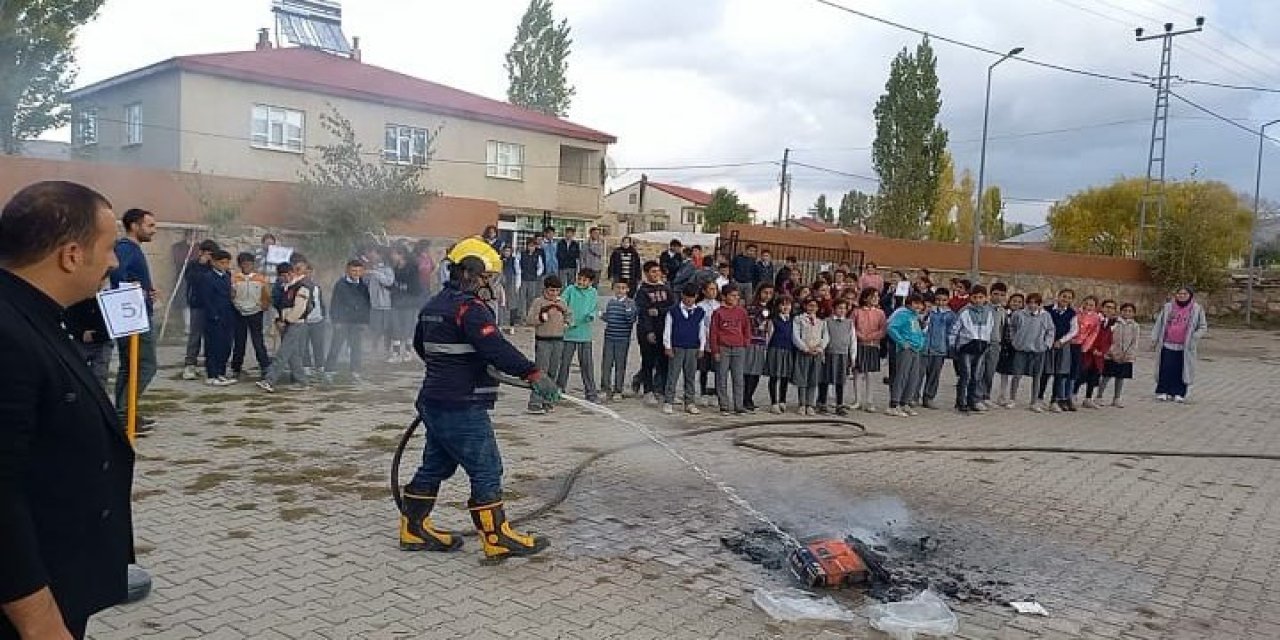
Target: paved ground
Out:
[268,517]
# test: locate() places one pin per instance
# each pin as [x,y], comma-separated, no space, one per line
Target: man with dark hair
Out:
[139,228]
[196,271]
[349,312]
[65,466]
[671,259]
[549,249]
[568,253]
[745,272]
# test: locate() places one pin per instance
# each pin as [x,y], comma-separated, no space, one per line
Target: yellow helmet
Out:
[476,247]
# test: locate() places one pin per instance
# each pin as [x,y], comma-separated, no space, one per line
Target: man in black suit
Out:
[65,465]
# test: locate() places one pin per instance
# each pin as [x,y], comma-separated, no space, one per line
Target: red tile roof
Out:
[812,224]
[315,71]
[685,193]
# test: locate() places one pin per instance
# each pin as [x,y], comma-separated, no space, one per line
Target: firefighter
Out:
[458,339]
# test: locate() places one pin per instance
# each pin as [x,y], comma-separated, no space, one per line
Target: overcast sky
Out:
[684,82]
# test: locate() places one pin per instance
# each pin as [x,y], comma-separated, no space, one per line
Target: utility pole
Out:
[1253,228]
[982,169]
[1153,196]
[783,184]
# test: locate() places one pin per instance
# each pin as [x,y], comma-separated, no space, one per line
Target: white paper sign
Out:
[902,290]
[277,254]
[124,310]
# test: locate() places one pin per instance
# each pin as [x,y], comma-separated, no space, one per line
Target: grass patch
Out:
[158,407]
[215,398]
[293,514]
[276,455]
[209,411]
[335,407]
[391,426]
[254,422]
[378,442]
[206,481]
[143,494]
[287,495]
[309,422]
[238,534]
[186,462]
[238,442]
[246,506]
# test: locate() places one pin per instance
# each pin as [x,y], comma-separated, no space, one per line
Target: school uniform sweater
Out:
[905,329]
[973,323]
[1065,326]
[1031,332]
[870,323]
[685,328]
[841,337]
[810,333]
[730,327]
[938,331]
[547,319]
[782,336]
[1124,340]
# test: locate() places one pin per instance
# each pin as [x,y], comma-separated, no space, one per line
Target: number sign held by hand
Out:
[124,310]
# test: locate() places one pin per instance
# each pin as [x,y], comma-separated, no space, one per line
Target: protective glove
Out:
[544,387]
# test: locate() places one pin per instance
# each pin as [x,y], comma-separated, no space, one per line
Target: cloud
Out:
[708,81]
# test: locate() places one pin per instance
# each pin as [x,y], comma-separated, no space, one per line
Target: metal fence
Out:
[812,260]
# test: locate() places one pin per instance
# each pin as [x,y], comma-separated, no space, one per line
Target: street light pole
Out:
[982,167]
[1253,228]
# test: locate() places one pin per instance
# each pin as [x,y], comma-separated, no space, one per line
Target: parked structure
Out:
[645,205]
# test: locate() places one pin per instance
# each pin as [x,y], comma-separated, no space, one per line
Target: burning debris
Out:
[893,570]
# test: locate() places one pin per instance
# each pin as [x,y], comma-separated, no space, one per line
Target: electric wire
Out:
[1218,116]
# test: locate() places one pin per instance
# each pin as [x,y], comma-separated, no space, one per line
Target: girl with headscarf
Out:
[1176,334]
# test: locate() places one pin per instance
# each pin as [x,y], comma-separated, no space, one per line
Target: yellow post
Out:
[131,417]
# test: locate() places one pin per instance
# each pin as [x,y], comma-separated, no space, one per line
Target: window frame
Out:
[133,124]
[495,167]
[263,139]
[83,117]
[418,140]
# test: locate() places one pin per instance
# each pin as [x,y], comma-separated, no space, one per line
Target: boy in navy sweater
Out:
[619,318]
[684,338]
[214,292]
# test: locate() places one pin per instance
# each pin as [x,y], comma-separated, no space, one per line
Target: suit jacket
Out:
[66,466]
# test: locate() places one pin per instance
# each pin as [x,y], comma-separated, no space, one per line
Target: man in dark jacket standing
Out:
[196,271]
[349,311]
[66,531]
[568,253]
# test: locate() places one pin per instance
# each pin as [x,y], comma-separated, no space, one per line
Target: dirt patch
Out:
[190,461]
[158,407]
[378,442]
[391,426]
[209,411]
[143,494]
[276,455]
[239,534]
[254,422]
[238,442]
[246,506]
[215,398]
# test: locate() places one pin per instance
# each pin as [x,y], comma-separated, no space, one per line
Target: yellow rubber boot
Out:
[416,530]
[498,539]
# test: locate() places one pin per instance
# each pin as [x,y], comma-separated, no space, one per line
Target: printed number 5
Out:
[129,310]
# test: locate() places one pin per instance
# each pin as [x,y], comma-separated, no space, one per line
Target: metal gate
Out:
[812,260]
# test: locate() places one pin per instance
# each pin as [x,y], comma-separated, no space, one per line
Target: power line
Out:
[975,47]
[1223,85]
[1031,61]
[836,172]
[1219,116]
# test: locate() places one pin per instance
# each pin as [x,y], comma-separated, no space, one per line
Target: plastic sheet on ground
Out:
[792,605]
[926,614]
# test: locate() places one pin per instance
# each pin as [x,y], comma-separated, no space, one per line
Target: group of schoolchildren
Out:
[319,331]
[818,337]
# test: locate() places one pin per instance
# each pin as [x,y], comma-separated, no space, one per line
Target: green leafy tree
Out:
[941,225]
[37,65]
[344,196]
[908,150]
[857,210]
[1206,225]
[538,62]
[220,208]
[992,215]
[821,211]
[965,206]
[1098,220]
[1014,229]
[725,207]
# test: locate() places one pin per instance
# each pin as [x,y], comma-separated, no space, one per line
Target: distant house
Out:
[810,223]
[257,114]
[1037,238]
[645,205]
[45,150]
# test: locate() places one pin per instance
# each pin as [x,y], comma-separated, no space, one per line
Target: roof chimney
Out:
[355,48]
[264,40]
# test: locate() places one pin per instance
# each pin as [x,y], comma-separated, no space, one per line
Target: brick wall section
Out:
[946,256]
[268,204]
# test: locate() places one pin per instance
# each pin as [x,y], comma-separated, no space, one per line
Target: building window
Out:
[505,160]
[277,128]
[405,145]
[87,127]
[691,216]
[657,226]
[633,198]
[133,123]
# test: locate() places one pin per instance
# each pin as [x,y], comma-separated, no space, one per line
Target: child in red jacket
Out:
[728,339]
